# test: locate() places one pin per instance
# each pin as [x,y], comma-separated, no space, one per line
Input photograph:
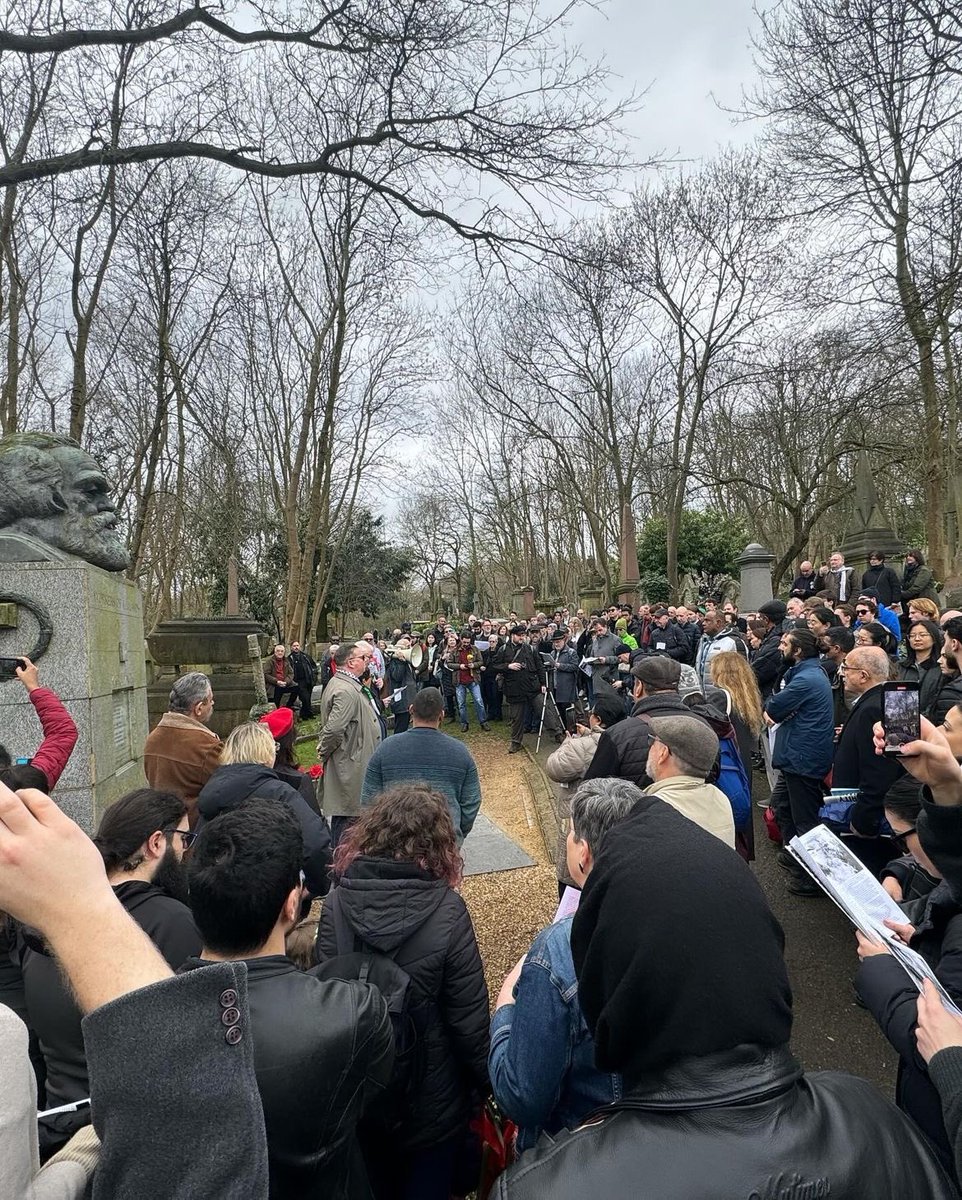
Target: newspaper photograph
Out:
[862,898]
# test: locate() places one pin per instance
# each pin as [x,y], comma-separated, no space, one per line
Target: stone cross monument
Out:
[66,604]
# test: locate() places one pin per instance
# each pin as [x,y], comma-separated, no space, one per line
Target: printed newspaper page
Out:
[861,897]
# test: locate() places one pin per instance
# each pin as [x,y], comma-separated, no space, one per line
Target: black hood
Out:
[385,902]
[232,784]
[703,974]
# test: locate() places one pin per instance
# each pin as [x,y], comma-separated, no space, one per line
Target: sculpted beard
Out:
[92,537]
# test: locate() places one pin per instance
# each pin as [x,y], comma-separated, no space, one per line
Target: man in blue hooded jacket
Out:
[803,711]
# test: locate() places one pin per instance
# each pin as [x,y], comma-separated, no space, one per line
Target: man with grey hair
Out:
[350,733]
[683,752]
[856,766]
[541,1062]
[181,752]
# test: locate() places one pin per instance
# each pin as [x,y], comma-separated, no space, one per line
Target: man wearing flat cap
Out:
[623,750]
[683,751]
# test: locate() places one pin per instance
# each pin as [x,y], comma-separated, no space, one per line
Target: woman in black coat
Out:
[247,769]
[397,868]
[921,666]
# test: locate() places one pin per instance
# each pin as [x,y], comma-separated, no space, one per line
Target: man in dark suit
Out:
[856,765]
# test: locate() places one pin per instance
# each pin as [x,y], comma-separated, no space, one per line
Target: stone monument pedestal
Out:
[755,563]
[218,647]
[95,663]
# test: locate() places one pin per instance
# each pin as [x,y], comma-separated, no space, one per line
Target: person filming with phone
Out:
[856,766]
[43,769]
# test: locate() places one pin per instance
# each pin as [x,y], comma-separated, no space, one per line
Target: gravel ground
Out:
[508,907]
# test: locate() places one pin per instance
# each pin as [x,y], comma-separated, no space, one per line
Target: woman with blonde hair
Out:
[247,769]
[730,672]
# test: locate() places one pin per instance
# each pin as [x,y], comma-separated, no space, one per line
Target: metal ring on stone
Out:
[43,620]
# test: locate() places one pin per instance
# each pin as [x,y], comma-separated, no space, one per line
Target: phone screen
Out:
[900,715]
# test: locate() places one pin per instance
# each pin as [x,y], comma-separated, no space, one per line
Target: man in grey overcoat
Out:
[350,733]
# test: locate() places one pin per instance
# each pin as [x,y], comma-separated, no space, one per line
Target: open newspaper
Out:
[862,898]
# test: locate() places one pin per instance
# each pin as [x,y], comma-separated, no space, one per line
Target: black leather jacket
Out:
[745,1124]
[322,1051]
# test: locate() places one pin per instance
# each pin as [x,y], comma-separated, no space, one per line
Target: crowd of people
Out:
[187,1025]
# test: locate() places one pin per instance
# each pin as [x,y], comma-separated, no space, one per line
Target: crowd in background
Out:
[350,1054]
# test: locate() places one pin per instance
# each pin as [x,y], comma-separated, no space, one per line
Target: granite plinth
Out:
[216,646]
[95,663]
[755,563]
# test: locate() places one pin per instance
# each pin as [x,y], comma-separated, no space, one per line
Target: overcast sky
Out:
[682,52]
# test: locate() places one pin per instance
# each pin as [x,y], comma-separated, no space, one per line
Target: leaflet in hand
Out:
[862,898]
[568,906]
[586,666]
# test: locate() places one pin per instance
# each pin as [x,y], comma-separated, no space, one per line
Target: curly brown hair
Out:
[408,823]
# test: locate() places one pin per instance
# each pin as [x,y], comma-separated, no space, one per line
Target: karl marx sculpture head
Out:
[54,496]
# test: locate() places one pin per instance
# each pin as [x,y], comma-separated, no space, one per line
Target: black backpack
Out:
[410,1015]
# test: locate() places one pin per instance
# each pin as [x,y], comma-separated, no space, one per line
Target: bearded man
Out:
[55,502]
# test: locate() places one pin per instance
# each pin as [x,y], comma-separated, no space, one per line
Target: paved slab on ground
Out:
[487,848]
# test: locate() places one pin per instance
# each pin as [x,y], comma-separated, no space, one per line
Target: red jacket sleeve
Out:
[59,734]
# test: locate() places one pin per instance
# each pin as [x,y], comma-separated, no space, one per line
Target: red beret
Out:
[279,722]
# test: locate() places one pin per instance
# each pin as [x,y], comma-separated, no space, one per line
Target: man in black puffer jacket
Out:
[623,749]
[767,661]
[323,1050]
[696,1013]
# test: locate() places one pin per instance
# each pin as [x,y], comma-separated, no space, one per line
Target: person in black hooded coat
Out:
[396,870]
[247,770]
[684,988]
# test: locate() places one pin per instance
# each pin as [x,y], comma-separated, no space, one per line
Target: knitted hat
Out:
[279,722]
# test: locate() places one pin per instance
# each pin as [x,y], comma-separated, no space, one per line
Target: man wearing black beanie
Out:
[684,989]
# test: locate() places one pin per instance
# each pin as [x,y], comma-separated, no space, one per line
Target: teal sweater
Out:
[429,756]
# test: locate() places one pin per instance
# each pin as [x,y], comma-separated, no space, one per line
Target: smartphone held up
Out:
[901,716]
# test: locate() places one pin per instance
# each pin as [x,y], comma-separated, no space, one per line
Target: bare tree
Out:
[453,89]
[705,254]
[866,103]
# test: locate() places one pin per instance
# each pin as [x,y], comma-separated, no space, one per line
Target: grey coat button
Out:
[228,998]
[230,1016]
[233,1035]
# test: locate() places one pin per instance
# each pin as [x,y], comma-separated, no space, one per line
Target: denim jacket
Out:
[542,1058]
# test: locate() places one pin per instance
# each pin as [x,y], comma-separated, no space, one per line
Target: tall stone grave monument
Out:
[66,604]
[869,530]
[755,565]
[630,575]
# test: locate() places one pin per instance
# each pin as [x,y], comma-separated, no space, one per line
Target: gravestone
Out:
[869,530]
[630,575]
[755,563]
[216,646]
[68,606]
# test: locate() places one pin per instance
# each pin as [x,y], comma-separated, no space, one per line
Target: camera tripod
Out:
[548,695]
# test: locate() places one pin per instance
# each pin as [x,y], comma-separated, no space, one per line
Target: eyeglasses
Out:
[863,612]
[187,836]
[902,839]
